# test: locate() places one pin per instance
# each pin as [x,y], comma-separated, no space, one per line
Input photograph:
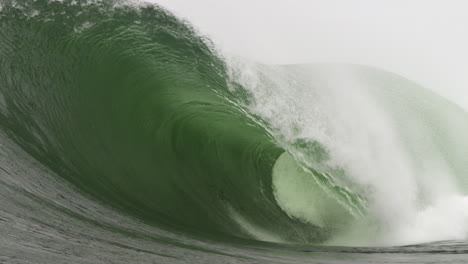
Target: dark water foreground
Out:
[44,219]
[122,141]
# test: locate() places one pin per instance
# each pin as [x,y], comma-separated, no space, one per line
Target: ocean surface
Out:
[128,137]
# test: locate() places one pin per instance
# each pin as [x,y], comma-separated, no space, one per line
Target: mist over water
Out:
[395,158]
[383,139]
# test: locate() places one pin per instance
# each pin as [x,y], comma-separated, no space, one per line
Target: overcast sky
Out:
[424,40]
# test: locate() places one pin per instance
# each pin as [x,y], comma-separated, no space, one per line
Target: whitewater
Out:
[127,137]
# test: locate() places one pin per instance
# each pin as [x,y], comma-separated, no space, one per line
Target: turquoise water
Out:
[127,138]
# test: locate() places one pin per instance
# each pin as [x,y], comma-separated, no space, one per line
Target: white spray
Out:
[384,140]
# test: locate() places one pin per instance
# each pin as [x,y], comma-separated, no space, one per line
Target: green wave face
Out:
[129,104]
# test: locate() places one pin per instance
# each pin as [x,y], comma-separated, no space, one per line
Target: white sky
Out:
[424,40]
